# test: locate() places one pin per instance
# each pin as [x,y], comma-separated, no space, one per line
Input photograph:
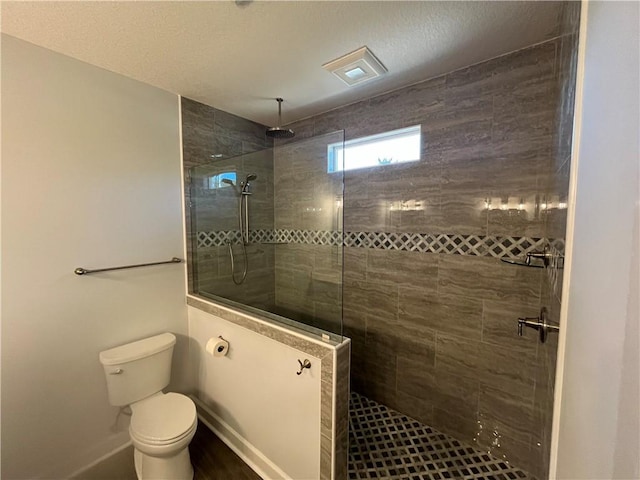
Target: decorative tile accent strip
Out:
[315,237]
[478,245]
[217,238]
[385,444]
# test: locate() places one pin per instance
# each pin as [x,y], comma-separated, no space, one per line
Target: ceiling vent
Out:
[356,67]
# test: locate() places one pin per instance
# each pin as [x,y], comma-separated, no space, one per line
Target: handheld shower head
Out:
[245,185]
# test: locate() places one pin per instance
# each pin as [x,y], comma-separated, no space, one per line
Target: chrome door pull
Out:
[537,323]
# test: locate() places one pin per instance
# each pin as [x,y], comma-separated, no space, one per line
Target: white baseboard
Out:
[82,472]
[253,457]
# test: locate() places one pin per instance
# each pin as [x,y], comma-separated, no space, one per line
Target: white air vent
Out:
[356,67]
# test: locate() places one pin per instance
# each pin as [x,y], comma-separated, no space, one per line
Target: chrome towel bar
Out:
[84,271]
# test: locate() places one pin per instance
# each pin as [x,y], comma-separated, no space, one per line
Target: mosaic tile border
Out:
[478,245]
[316,237]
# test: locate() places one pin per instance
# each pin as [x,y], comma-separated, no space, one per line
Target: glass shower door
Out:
[266,230]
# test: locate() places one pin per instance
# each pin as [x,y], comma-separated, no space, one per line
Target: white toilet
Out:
[162,424]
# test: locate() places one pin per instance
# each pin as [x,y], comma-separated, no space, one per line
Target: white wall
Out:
[91,178]
[255,391]
[596,422]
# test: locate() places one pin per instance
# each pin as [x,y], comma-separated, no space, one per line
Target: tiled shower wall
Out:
[308,200]
[435,334]
[208,132]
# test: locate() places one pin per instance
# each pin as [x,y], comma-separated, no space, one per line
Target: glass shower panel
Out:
[267,233]
[220,197]
[308,215]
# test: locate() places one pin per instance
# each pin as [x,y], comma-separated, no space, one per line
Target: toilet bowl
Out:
[162,424]
[161,429]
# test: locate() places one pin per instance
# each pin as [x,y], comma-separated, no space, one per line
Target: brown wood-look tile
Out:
[533,64]
[440,389]
[227,124]
[507,370]
[507,413]
[468,125]
[453,314]
[407,106]
[370,215]
[489,279]
[473,81]
[356,184]
[463,210]
[414,407]
[355,262]
[213,460]
[500,326]
[403,268]
[457,356]
[464,428]
[371,298]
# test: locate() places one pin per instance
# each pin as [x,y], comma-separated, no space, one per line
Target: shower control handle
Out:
[537,323]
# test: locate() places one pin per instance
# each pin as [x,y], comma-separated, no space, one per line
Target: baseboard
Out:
[116,464]
[253,457]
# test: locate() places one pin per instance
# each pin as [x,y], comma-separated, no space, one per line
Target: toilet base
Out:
[175,467]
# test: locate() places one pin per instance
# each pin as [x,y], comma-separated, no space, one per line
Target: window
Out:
[214,182]
[386,148]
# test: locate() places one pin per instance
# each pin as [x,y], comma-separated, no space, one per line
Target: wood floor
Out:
[213,460]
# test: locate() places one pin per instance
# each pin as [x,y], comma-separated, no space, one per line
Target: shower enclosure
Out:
[266,232]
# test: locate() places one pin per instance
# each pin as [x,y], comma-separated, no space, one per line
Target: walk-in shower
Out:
[416,280]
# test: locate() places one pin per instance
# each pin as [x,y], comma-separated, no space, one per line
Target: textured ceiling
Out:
[240,57]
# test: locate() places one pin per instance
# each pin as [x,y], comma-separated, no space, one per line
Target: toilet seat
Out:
[163,419]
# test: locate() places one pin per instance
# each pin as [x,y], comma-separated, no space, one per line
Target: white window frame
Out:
[338,153]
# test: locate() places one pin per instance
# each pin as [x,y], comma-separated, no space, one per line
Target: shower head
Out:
[245,185]
[279,132]
[228,181]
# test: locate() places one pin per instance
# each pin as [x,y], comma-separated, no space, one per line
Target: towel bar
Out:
[84,271]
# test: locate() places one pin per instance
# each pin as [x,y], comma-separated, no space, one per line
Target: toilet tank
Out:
[138,370]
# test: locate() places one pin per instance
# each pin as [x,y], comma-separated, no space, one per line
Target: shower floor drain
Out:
[384,444]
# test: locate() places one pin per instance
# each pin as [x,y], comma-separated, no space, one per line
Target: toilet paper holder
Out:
[217,347]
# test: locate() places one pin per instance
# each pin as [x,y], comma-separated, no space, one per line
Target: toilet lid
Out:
[163,417]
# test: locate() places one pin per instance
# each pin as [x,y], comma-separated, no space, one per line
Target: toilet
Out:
[162,424]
